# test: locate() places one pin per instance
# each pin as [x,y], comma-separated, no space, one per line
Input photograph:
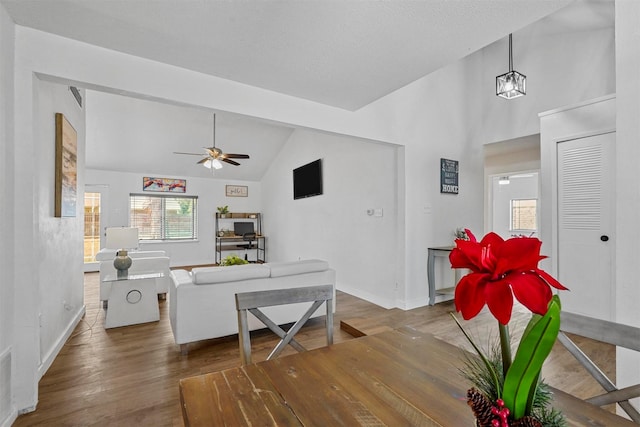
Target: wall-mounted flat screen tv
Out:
[307,180]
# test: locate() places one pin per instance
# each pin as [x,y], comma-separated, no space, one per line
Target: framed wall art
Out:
[165,185]
[236,191]
[66,180]
[449,171]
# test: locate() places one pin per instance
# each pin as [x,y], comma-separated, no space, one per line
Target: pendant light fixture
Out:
[512,84]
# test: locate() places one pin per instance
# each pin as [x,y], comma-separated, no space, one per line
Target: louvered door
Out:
[585,224]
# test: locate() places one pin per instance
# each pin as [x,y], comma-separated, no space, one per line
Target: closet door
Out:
[585,224]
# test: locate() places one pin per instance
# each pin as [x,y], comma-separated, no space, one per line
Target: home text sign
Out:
[449,176]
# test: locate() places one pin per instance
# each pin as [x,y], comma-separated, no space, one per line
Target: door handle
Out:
[604,238]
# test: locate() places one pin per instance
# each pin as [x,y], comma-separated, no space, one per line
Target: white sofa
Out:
[202,302]
[142,262]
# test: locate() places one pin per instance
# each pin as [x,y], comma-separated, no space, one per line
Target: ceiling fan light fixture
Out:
[511,84]
[212,164]
[215,156]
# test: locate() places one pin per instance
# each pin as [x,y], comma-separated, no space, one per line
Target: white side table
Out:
[133,299]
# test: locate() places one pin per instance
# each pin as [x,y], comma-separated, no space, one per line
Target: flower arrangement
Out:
[508,391]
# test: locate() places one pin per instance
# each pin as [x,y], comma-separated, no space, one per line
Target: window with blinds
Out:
[161,217]
[524,214]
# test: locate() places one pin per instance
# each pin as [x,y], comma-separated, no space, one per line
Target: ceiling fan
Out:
[214,156]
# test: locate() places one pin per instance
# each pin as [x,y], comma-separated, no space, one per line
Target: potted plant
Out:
[508,390]
[223,211]
[233,259]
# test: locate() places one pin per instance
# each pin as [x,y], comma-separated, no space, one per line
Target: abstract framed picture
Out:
[66,180]
[236,191]
[165,185]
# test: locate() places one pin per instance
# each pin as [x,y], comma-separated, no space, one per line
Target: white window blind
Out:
[524,214]
[160,217]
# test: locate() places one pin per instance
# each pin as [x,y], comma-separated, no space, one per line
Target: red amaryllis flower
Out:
[501,269]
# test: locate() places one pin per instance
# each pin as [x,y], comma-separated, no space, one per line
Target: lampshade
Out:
[511,84]
[122,238]
[212,163]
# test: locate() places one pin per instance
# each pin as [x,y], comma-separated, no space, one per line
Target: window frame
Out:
[163,214]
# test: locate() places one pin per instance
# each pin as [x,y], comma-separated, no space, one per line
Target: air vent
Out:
[76,94]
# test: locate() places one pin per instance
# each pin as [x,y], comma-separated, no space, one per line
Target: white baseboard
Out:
[10,418]
[50,357]
[415,303]
[8,411]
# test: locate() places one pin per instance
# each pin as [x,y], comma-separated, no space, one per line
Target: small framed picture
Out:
[236,191]
[449,171]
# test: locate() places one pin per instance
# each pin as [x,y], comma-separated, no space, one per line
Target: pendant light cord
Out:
[510,55]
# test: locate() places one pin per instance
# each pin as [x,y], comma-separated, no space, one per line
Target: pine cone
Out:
[526,422]
[481,407]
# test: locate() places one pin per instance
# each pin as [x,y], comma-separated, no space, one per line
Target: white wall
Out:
[628,204]
[59,245]
[8,410]
[357,176]
[210,192]
[55,243]
[453,112]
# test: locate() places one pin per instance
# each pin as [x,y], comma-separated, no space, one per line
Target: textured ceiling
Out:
[335,52]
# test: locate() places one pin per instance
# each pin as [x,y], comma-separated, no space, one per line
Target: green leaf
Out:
[485,360]
[535,346]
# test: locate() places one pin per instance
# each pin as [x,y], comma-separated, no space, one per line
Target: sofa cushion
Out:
[289,268]
[205,275]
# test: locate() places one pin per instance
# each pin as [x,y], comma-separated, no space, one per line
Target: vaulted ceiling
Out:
[342,53]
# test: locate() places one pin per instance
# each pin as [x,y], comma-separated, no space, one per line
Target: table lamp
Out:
[121,239]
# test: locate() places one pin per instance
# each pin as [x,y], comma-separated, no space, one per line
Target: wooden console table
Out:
[398,377]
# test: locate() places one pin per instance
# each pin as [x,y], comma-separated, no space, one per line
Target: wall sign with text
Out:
[449,176]
[236,191]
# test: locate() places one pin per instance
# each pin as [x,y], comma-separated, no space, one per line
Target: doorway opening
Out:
[514,204]
[95,209]
[91,226]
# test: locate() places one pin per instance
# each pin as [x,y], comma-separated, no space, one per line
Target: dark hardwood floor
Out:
[129,376]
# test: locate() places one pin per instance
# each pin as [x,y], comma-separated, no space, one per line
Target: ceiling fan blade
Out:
[231,162]
[188,154]
[203,160]
[236,156]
